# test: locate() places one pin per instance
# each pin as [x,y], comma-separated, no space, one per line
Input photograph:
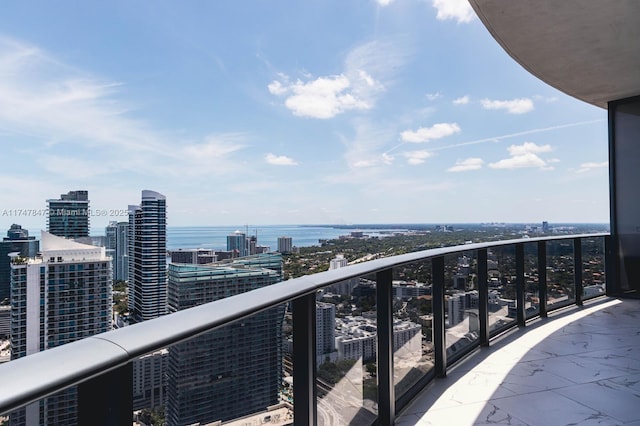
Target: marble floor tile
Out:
[470,414]
[620,404]
[579,367]
[548,408]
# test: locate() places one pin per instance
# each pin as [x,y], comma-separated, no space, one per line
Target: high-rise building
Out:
[149,380]
[233,371]
[338,262]
[238,241]
[116,243]
[68,216]
[5,322]
[325,329]
[147,243]
[456,307]
[342,287]
[16,241]
[63,295]
[122,252]
[110,232]
[252,241]
[285,245]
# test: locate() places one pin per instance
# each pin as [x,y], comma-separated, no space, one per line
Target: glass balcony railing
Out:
[347,346]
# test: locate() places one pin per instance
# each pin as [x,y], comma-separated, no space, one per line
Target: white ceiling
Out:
[589,49]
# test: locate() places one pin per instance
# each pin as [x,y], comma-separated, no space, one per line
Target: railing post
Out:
[542,278]
[439,342]
[520,308]
[483,296]
[107,399]
[386,389]
[305,410]
[577,269]
[610,265]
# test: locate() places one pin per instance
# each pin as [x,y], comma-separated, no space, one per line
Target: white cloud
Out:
[380,58]
[416,157]
[494,139]
[212,156]
[528,147]
[363,148]
[276,88]
[466,165]
[384,2]
[527,160]
[280,160]
[585,167]
[214,147]
[434,96]
[514,106]
[367,78]
[324,97]
[82,119]
[462,100]
[525,156]
[426,134]
[460,10]
[353,89]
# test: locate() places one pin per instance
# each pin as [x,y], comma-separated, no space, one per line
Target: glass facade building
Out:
[16,241]
[237,242]
[232,371]
[116,235]
[147,243]
[63,296]
[69,216]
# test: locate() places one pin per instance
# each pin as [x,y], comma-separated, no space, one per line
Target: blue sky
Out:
[288,112]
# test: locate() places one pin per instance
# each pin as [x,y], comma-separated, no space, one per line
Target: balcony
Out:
[582,367]
[527,323]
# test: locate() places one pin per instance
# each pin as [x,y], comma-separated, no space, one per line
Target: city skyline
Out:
[397,112]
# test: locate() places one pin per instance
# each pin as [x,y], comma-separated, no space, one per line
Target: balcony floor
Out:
[579,367]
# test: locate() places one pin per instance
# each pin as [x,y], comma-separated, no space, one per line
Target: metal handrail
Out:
[36,376]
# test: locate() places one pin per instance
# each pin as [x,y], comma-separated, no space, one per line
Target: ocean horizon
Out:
[215,237]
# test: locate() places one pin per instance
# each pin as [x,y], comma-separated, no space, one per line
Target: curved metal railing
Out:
[31,378]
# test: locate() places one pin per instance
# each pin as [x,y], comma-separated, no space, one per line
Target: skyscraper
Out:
[545,227]
[285,245]
[17,240]
[233,371]
[110,244]
[147,241]
[116,236]
[325,329]
[238,241]
[69,216]
[59,297]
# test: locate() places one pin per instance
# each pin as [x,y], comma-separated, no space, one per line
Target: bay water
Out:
[215,237]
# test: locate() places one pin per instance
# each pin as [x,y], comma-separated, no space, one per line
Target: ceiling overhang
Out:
[588,49]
